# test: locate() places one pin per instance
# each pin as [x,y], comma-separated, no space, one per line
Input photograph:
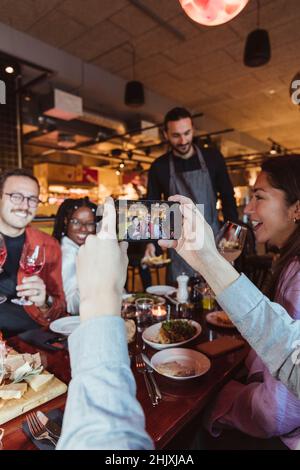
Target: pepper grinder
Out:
[182,292]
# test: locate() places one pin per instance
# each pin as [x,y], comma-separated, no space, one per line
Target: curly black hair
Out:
[65,213]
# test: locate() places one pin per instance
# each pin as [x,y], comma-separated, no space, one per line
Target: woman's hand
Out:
[102,269]
[197,239]
[197,247]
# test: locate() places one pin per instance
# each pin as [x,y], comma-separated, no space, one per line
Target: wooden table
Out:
[182,400]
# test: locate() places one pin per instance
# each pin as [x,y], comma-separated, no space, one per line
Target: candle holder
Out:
[160,313]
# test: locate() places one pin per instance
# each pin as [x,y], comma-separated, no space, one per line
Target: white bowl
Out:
[185,357]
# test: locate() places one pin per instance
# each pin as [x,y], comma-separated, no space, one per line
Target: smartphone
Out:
[148,220]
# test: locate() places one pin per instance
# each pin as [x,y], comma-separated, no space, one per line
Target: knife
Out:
[51,426]
[152,378]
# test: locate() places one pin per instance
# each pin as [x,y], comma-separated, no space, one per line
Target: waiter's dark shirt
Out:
[159,178]
[13,318]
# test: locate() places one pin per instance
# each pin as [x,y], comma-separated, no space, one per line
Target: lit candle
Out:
[159,313]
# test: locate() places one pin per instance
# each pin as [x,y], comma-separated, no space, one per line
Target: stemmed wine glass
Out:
[32,262]
[230,240]
[3,256]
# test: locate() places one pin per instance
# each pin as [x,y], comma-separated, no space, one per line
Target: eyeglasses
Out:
[77,225]
[18,198]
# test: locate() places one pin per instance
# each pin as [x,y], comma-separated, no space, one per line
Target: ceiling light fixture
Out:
[9,69]
[212,12]
[134,90]
[258,48]
[276,149]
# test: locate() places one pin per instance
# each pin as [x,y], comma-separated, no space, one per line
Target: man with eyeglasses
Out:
[19,199]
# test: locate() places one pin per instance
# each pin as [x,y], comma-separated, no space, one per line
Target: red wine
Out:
[31,269]
[3,255]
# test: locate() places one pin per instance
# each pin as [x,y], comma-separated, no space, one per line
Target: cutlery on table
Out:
[37,430]
[141,367]
[51,426]
[151,375]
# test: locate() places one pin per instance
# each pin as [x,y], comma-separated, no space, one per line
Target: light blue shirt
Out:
[267,327]
[102,411]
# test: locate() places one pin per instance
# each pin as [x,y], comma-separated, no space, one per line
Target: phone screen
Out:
[148,220]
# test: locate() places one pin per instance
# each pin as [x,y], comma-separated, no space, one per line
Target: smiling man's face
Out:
[180,136]
[15,217]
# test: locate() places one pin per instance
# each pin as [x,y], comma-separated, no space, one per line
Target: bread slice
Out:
[7,392]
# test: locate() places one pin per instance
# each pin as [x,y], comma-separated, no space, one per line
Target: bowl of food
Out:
[180,363]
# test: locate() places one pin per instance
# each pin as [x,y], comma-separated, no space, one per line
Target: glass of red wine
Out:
[32,262]
[3,255]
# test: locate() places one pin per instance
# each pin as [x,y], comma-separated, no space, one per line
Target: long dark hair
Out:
[284,173]
[65,213]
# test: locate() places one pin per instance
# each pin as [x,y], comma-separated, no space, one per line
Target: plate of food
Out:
[171,333]
[180,363]
[161,290]
[219,318]
[155,260]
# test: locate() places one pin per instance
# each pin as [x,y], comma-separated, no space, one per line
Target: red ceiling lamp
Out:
[212,12]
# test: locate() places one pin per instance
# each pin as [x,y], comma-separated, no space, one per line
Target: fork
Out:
[37,430]
[141,367]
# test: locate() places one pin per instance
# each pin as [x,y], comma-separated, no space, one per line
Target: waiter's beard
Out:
[182,151]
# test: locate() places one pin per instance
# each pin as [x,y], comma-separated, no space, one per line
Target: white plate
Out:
[185,357]
[213,320]
[156,299]
[152,332]
[65,325]
[161,290]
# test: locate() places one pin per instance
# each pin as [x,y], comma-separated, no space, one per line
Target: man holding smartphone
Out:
[185,169]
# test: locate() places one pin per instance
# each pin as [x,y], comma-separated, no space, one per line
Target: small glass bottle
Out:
[208,300]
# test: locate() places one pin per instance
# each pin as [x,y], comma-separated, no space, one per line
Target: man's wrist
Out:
[104,304]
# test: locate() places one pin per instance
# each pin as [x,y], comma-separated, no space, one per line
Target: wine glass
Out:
[32,262]
[230,240]
[3,256]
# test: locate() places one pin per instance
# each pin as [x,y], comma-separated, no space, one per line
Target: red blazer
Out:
[51,275]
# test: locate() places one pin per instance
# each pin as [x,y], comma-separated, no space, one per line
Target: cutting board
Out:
[10,409]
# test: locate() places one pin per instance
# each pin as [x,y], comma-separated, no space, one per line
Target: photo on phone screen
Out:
[148,220]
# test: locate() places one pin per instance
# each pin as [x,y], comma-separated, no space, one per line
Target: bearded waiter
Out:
[199,174]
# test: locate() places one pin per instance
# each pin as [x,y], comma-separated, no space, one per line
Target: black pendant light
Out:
[258,48]
[134,94]
[134,90]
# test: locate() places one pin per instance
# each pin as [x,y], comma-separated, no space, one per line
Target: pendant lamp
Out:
[212,12]
[258,47]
